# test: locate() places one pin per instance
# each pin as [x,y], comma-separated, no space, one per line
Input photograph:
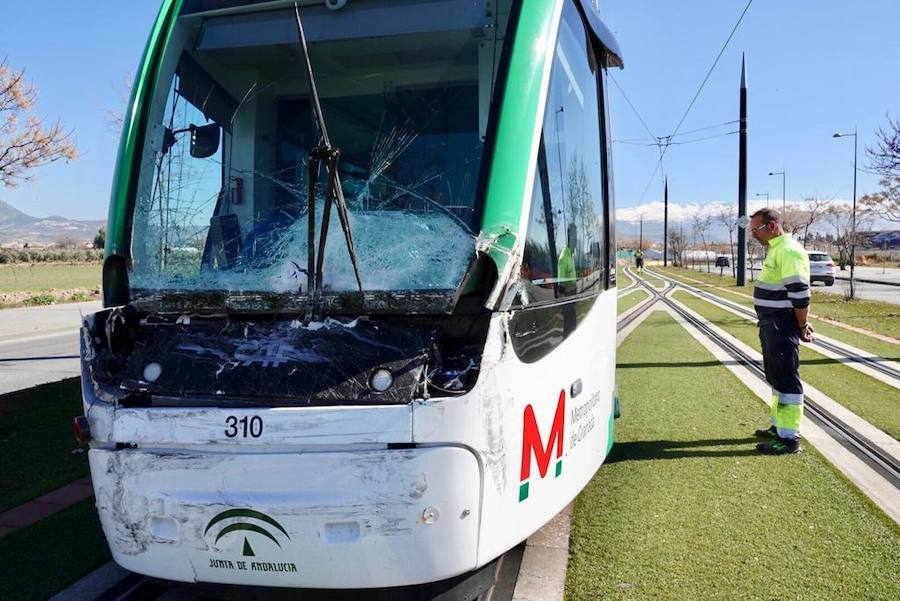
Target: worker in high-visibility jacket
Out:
[781,299]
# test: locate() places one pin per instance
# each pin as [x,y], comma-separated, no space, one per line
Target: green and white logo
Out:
[245,526]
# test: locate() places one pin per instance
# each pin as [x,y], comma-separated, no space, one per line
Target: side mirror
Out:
[204,140]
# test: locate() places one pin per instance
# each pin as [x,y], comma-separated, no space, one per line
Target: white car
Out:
[821,267]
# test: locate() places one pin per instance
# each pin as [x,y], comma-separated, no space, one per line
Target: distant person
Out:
[639,260]
[781,299]
[567,278]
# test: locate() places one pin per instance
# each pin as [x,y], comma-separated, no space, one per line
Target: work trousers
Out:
[780,341]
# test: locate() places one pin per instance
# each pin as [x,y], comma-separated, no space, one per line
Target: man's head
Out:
[572,236]
[765,224]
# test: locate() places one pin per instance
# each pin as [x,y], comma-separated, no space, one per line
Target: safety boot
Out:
[770,432]
[779,446]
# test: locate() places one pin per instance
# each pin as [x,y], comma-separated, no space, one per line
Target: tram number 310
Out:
[244,427]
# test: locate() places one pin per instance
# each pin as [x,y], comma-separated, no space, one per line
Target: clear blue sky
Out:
[815,67]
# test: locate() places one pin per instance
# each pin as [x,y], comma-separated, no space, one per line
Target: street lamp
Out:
[853,214]
[766,194]
[781,173]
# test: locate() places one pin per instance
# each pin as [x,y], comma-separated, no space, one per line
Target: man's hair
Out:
[768,215]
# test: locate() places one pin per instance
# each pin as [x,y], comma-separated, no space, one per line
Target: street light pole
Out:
[783,194]
[641,243]
[766,194]
[853,214]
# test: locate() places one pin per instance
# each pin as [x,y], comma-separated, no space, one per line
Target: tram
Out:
[359,289]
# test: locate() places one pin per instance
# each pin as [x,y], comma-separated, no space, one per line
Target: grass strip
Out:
[37,277]
[37,441]
[869,344]
[685,508]
[876,316]
[48,556]
[874,401]
[631,299]
[652,280]
[622,279]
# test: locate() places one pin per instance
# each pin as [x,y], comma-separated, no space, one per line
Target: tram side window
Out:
[565,248]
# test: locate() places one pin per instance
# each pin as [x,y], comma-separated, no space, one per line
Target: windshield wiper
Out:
[334,192]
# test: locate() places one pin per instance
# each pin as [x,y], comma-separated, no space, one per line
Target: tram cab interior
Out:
[405,89]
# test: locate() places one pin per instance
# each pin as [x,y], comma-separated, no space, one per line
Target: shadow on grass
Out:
[678,449]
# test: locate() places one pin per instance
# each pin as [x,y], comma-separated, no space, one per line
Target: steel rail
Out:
[875,363]
[882,461]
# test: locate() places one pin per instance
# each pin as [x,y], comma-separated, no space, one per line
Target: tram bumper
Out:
[325,519]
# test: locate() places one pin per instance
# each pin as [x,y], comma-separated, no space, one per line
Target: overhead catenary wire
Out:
[641,119]
[655,141]
[712,67]
[664,146]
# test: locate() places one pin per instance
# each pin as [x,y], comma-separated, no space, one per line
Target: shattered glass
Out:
[406,111]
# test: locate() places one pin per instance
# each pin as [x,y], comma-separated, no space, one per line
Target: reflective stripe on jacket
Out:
[783,284]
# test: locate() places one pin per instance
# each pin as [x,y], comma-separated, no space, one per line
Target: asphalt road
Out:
[40,344]
[864,290]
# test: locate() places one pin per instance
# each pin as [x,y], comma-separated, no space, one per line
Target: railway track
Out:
[494,582]
[876,363]
[875,456]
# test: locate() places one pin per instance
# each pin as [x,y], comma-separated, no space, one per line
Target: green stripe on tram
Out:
[130,147]
[508,178]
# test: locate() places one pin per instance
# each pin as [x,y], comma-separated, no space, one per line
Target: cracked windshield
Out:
[222,200]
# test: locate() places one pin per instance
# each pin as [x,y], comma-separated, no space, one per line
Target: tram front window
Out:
[405,94]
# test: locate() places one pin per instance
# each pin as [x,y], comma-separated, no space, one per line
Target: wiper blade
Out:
[334,191]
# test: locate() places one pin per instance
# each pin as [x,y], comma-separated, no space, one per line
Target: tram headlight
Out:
[152,371]
[381,380]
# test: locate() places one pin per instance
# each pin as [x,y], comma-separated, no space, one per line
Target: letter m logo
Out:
[533,444]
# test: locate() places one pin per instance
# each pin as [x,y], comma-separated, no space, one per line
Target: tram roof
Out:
[602,33]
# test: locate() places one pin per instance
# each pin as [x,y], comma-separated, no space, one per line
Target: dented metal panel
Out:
[351,520]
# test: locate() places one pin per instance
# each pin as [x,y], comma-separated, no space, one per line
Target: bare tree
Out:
[115,116]
[755,251]
[729,219]
[700,227]
[884,157]
[798,218]
[26,142]
[886,202]
[841,219]
[677,244]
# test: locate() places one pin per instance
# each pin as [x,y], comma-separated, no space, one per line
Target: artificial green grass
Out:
[39,277]
[880,348]
[874,401]
[622,279]
[48,556]
[652,280]
[875,346]
[875,316]
[685,508]
[631,299]
[37,441]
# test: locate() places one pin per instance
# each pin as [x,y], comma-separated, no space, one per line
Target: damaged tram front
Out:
[360,290]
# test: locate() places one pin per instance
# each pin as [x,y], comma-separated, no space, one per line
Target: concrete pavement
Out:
[40,344]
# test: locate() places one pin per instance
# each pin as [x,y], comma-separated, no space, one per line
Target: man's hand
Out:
[806,333]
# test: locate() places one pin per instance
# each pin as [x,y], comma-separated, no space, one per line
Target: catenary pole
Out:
[666,224]
[742,181]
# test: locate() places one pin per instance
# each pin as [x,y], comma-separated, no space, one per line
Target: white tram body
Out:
[354,486]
